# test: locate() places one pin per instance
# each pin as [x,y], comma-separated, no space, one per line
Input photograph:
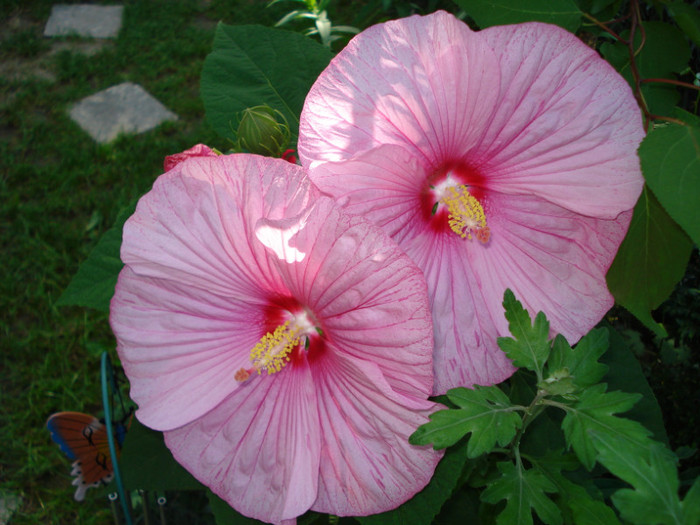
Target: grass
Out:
[59,192]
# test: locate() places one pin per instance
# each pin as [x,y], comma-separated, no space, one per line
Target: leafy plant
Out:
[556,484]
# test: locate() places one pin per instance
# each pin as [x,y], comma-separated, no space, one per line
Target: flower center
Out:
[276,349]
[466,215]
[452,200]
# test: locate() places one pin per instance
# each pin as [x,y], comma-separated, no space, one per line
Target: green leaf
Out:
[224,514]
[594,411]
[664,53]
[524,491]
[254,65]
[486,412]
[581,362]
[564,13]
[670,157]
[691,504]
[626,374]
[688,19]
[529,347]
[654,499]
[93,285]
[650,261]
[575,502]
[147,464]
[425,505]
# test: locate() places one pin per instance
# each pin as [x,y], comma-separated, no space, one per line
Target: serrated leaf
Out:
[529,347]
[581,362]
[595,411]
[486,413]
[664,53]
[670,158]
[93,285]
[650,262]
[575,502]
[652,474]
[524,491]
[688,19]
[147,464]
[425,505]
[564,13]
[254,65]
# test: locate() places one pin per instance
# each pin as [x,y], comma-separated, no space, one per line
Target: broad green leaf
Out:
[486,412]
[564,13]
[688,19]
[529,347]
[650,261]
[595,411]
[524,491]
[93,285]
[653,476]
[664,53]
[224,514]
[582,361]
[691,504]
[425,505]
[254,65]
[147,464]
[626,374]
[670,157]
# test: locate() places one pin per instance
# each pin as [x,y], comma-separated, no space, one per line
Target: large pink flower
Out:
[283,345]
[504,158]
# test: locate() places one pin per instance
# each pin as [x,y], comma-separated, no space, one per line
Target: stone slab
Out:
[95,21]
[124,108]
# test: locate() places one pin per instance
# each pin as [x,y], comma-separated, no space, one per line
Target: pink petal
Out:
[566,126]
[259,449]
[421,82]
[188,307]
[199,150]
[370,297]
[363,419]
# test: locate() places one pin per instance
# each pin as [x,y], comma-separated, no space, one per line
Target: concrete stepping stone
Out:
[95,21]
[124,108]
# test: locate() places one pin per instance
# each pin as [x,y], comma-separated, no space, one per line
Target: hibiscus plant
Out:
[411,323]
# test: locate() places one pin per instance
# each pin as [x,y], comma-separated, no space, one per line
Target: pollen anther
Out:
[272,351]
[466,214]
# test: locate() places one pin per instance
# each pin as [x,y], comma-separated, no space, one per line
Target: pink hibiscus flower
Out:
[504,158]
[282,345]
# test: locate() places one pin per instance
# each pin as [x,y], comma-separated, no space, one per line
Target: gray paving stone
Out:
[124,108]
[96,21]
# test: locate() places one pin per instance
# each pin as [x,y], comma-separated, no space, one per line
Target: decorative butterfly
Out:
[83,438]
[86,439]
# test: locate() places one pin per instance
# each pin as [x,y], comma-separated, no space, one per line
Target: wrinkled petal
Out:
[198,150]
[259,449]
[386,470]
[566,126]
[421,83]
[180,346]
[370,297]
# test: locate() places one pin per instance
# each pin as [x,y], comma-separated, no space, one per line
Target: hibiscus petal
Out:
[259,449]
[421,83]
[371,298]
[363,418]
[566,126]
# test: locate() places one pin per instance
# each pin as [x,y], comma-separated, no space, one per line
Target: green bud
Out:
[264,131]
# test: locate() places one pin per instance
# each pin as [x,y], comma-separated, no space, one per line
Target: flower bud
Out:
[264,131]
